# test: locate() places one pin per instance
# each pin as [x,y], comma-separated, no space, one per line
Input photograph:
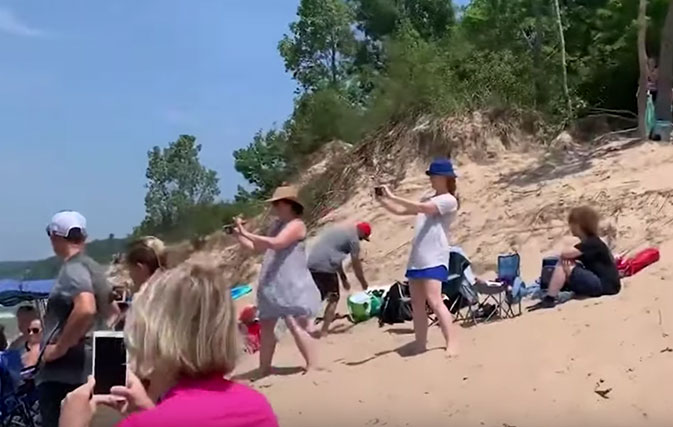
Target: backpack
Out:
[396,307]
[548,267]
[630,266]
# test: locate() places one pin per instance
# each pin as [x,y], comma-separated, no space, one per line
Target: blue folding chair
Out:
[502,293]
[18,399]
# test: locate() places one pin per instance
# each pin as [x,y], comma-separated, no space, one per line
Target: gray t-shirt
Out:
[332,247]
[79,274]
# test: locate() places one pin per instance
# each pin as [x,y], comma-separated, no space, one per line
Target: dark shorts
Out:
[328,284]
[50,395]
[584,283]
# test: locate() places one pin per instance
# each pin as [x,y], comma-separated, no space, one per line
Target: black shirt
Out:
[598,259]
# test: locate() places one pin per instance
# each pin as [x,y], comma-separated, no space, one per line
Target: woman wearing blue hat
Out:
[430,250]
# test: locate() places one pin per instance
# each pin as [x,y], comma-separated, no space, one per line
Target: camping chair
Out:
[502,293]
[18,395]
[458,292]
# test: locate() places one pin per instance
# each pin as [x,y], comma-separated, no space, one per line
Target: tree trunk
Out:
[665,83]
[642,61]
[540,98]
[562,39]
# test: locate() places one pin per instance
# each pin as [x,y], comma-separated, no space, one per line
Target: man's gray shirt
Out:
[78,274]
[332,247]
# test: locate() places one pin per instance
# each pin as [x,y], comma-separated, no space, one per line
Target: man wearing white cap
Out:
[77,302]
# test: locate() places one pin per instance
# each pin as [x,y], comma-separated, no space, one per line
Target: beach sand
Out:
[598,362]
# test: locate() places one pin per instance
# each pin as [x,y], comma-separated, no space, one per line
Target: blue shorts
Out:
[584,282]
[440,273]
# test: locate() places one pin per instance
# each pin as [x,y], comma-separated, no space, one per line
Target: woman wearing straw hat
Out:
[285,288]
[430,249]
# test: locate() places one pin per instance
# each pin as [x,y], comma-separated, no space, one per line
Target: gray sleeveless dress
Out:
[285,286]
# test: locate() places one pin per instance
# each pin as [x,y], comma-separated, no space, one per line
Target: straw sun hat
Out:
[286,192]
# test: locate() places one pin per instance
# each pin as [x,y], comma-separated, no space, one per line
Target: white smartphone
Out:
[109,360]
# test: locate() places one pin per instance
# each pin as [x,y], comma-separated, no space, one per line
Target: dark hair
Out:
[586,219]
[453,188]
[3,338]
[76,236]
[296,207]
[25,309]
[139,252]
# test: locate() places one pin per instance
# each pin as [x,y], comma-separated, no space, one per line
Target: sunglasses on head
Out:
[34,331]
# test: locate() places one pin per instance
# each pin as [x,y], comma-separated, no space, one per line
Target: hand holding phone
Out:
[109,361]
[378,191]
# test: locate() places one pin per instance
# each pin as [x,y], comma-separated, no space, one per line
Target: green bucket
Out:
[359,307]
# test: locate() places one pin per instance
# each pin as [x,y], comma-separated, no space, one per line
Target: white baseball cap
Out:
[64,221]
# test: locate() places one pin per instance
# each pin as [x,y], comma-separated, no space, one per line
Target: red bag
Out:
[630,266]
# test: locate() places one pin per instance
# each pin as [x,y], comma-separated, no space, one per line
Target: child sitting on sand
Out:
[588,269]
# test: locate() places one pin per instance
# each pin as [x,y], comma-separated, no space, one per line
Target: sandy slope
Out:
[541,369]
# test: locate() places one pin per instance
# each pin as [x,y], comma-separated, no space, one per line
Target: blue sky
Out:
[87,87]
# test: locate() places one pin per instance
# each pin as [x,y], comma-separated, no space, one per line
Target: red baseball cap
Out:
[365,229]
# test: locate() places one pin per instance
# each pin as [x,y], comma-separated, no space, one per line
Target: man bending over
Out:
[326,263]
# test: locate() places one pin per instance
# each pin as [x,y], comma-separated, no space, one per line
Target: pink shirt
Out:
[207,403]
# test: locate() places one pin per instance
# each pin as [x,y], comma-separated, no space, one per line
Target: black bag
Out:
[396,307]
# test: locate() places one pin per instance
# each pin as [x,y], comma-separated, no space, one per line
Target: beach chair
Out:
[458,291]
[502,293]
[18,394]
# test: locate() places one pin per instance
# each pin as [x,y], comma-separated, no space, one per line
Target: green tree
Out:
[264,162]
[177,182]
[320,47]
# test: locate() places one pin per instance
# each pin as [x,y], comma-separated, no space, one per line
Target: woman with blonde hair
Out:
[144,257]
[430,250]
[181,339]
[285,289]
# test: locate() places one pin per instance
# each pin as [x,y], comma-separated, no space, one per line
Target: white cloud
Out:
[11,24]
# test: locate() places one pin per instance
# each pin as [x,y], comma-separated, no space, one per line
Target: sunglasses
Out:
[34,331]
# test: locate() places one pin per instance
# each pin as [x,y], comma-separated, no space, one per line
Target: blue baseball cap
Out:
[441,167]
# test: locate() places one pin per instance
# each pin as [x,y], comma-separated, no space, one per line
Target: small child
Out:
[588,269]
[248,325]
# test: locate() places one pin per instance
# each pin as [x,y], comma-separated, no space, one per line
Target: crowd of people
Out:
[180,325]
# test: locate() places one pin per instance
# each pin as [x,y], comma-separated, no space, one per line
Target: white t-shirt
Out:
[430,247]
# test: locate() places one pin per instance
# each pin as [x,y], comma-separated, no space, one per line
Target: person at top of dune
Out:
[652,77]
[430,249]
[588,269]
[181,339]
[325,263]
[285,287]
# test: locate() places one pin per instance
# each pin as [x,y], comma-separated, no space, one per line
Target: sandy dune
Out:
[541,369]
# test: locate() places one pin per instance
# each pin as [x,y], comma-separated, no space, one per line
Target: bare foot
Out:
[261,373]
[451,350]
[412,349]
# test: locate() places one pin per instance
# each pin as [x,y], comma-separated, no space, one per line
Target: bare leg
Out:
[420,316]
[267,345]
[330,313]
[559,278]
[305,342]
[433,294]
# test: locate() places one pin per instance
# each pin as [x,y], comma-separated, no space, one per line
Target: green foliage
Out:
[263,163]
[319,50]
[431,19]
[177,182]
